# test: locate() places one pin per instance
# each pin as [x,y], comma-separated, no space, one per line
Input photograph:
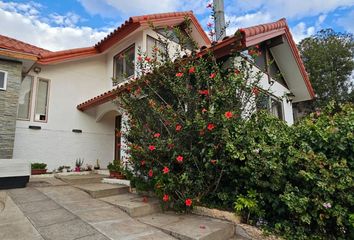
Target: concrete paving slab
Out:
[65,194]
[101,215]
[134,204]
[40,219]
[23,195]
[99,190]
[85,204]
[38,206]
[127,229]
[20,230]
[45,182]
[81,179]
[69,230]
[94,237]
[10,213]
[190,226]
[154,236]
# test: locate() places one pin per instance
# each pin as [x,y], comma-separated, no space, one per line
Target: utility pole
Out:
[220,25]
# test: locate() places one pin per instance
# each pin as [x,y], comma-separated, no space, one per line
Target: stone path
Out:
[64,212]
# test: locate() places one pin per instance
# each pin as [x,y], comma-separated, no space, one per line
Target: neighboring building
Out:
[63,100]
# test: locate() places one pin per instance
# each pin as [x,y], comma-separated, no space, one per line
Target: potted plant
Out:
[78,164]
[97,166]
[38,168]
[115,170]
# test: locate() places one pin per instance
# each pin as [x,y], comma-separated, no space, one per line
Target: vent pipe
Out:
[220,26]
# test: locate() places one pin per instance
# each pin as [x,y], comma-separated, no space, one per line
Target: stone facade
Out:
[8,106]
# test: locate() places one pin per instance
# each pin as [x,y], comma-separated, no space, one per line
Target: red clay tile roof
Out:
[242,39]
[19,46]
[105,97]
[165,19]
[53,57]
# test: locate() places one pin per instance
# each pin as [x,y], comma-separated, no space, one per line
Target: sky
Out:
[65,24]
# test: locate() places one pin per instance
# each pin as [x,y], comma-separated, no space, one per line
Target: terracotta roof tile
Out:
[19,46]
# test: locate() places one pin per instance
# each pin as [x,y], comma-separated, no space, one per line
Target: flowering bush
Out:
[195,139]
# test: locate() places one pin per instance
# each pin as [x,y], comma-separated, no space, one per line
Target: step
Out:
[81,179]
[190,227]
[100,190]
[134,204]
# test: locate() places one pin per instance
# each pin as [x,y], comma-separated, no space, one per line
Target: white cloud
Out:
[247,20]
[68,20]
[17,22]
[301,31]
[289,9]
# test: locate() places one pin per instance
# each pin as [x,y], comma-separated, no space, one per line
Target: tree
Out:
[329,60]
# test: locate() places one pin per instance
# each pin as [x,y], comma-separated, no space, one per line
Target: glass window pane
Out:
[2,80]
[41,100]
[262,101]
[152,44]
[276,108]
[119,69]
[25,98]
[129,62]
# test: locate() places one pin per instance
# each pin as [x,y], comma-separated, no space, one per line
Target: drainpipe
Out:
[220,25]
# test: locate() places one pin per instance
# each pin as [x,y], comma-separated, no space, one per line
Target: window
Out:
[266,102]
[41,109]
[124,66]
[3,80]
[152,44]
[24,101]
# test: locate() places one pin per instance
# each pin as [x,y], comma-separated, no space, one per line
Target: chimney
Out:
[220,26]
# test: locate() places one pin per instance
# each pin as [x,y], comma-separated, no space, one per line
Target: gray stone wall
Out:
[8,106]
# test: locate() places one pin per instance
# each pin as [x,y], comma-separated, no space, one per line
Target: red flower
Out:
[166,198]
[165,170]
[152,147]
[178,127]
[147,59]
[188,202]
[213,161]
[228,115]
[179,158]
[180,74]
[210,24]
[204,92]
[143,163]
[192,70]
[145,199]
[151,173]
[140,58]
[209,5]
[212,75]
[237,71]
[255,91]
[204,110]
[157,135]
[210,126]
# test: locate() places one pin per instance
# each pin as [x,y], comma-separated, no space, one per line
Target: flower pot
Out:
[38,171]
[117,175]
[77,169]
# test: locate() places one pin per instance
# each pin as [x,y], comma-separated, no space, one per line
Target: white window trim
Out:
[47,106]
[5,81]
[30,102]
[115,66]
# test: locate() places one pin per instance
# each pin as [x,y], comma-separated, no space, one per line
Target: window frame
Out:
[30,101]
[5,81]
[157,41]
[47,102]
[116,57]
[271,97]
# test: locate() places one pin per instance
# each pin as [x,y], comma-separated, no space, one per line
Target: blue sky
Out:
[64,24]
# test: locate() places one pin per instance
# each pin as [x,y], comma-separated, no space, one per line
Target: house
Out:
[57,106]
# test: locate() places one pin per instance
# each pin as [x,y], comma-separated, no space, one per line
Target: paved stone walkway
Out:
[64,212]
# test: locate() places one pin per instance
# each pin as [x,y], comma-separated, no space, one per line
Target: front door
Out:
[117,141]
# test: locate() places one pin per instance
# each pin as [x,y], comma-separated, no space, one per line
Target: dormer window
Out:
[124,66]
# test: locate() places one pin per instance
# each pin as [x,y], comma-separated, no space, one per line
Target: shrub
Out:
[38,166]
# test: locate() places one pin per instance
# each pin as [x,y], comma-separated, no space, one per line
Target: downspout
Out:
[220,26]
